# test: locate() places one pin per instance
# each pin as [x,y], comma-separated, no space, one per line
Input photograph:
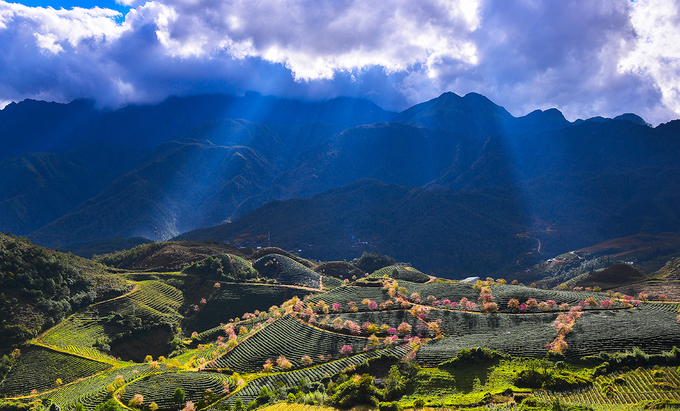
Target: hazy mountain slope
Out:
[451,233]
[390,152]
[171,192]
[38,188]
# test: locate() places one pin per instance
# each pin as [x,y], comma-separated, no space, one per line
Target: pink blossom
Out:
[523,307]
[203,301]
[372,305]
[346,350]
[392,331]
[337,307]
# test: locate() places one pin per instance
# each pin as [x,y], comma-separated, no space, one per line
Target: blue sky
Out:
[584,58]
[68,4]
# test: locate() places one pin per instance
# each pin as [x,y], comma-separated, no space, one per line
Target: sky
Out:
[586,58]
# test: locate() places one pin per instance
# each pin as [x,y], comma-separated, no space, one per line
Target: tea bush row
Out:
[39,368]
[288,337]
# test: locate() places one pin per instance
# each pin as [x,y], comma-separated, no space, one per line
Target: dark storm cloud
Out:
[585,58]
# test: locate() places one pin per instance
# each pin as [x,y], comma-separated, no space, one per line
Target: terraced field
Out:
[203,362]
[392,318]
[91,391]
[624,388]
[313,374]
[291,338]
[441,291]
[503,294]
[652,327]
[160,387]
[517,334]
[401,273]
[345,294]
[286,271]
[154,302]
[231,300]
[39,368]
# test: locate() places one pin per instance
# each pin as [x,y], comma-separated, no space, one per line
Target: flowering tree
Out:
[346,350]
[513,304]
[306,360]
[404,328]
[283,363]
[136,400]
[268,366]
[373,341]
[490,307]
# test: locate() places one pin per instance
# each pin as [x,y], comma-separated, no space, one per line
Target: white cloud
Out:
[585,58]
[656,49]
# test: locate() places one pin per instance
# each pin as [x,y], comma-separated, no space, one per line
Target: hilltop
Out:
[253,328]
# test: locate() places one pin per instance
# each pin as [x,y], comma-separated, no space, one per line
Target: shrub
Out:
[358,390]
[306,360]
[110,405]
[136,400]
[388,406]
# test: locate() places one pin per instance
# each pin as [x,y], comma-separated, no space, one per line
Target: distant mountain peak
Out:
[633,118]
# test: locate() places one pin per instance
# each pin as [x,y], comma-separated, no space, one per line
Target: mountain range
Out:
[456,185]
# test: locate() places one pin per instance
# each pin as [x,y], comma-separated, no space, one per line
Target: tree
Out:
[179,396]
[394,383]
[110,405]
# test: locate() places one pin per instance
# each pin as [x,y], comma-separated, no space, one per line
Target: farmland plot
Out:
[653,327]
[92,391]
[631,388]
[441,291]
[313,374]
[504,293]
[291,338]
[234,299]
[343,295]
[517,334]
[160,387]
[153,302]
[39,368]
